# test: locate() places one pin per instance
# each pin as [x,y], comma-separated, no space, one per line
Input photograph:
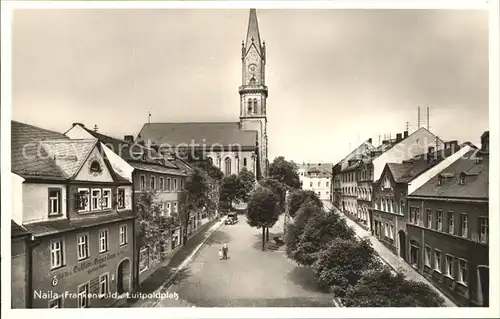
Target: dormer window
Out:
[462,179]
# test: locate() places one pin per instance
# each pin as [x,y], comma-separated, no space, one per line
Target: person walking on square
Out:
[221,255]
[225,250]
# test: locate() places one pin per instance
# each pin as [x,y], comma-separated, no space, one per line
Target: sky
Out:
[335,77]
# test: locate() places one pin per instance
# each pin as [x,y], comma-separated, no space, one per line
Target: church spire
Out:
[253,35]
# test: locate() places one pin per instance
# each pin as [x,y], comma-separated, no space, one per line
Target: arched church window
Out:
[227,163]
[210,160]
[255,106]
[245,162]
[250,106]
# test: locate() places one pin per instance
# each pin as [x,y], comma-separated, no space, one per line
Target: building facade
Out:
[78,210]
[316,177]
[448,229]
[20,267]
[230,146]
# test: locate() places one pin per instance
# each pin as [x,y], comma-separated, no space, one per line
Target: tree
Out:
[299,197]
[231,189]
[342,264]
[284,172]
[212,171]
[247,180]
[195,197]
[279,191]
[262,210]
[154,228]
[320,230]
[383,289]
[296,228]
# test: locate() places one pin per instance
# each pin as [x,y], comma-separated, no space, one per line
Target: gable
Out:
[386,179]
[94,168]
[78,132]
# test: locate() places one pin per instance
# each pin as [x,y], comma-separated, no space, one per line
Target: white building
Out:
[317,178]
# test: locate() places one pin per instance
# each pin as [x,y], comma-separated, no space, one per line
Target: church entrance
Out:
[402,244]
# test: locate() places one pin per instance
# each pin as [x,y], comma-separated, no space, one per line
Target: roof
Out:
[476,180]
[410,169]
[62,225]
[197,134]
[156,168]
[253,35]
[17,230]
[358,151]
[26,158]
[69,155]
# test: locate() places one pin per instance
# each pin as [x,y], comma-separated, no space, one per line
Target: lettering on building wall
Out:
[89,266]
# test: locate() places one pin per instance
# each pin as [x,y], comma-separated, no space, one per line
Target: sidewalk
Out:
[165,275]
[393,261]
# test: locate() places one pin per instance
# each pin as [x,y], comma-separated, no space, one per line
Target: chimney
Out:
[128,138]
[485,142]
[399,137]
[405,134]
[370,140]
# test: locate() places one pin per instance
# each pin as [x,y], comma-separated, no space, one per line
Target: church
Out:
[231,146]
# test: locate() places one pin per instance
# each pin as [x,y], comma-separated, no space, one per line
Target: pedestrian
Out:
[220,253]
[225,250]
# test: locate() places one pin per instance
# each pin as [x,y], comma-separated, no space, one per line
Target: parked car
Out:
[232,218]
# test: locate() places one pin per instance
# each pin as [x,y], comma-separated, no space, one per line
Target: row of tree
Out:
[345,265]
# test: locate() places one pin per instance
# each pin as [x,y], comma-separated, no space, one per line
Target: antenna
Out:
[424,118]
[407,126]
[96,128]
[149,117]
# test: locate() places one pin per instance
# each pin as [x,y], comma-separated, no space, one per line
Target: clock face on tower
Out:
[252,68]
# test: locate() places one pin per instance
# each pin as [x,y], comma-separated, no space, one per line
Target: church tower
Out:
[253,91]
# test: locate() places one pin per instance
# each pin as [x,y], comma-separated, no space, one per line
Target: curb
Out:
[168,282]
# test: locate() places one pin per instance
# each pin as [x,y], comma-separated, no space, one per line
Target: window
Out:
[449,266]
[462,271]
[96,199]
[319,184]
[83,200]
[429,218]
[175,207]
[175,184]
[106,199]
[142,183]
[103,241]
[169,186]
[391,231]
[182,183]
[83,246]
[437,260]
[383,204]
[121,198]
[464,225]
[417,216]
[414,255]
[103,285]
[227,165]
[123,235]
[245,162]
[153,182]
[55,303]
[56,254]
[427,256]
[386,230]
[54,201]
[161,186]
[412,215]
[440,180]
[327,184]
[311,184]
[483,231]
[83,295]
[439,220]
[451,223]
[168,209]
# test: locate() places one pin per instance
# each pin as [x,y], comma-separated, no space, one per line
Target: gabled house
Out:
[78,210]
[448,228]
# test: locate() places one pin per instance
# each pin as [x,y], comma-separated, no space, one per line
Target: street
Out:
[249,278]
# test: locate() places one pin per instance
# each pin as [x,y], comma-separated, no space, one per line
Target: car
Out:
[232,218]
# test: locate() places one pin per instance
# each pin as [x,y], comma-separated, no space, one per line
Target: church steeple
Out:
[253,35]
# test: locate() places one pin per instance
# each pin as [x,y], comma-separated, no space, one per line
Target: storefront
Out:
[84,267]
